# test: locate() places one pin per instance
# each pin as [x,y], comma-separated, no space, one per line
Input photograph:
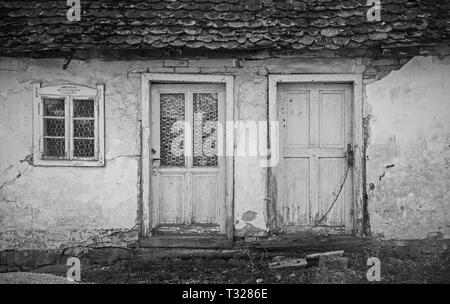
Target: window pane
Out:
[83,128]
[83,108]
[83,148]
[53,107]
[205,129]
[54,127]
[54,147]
[172,129]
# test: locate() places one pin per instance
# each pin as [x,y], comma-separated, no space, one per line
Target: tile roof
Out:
[308,25]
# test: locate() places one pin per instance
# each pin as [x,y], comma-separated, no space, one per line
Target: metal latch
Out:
[350,156]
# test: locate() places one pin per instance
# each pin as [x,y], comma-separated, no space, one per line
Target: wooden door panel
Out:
[205,199]
[331,119]
[171,195]
[331,173]
[316,129]
[297,119]
[296,181]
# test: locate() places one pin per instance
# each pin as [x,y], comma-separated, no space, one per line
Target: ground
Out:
[32,278]
[414,262]
[426,269]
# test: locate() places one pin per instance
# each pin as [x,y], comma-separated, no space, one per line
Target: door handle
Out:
[155,165]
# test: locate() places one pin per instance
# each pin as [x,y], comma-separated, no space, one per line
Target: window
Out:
[68,125]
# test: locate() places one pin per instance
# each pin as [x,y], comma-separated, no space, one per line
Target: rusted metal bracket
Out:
[350,156]
[68,59]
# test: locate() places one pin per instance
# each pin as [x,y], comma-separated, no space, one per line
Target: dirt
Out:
[398,265]
[32,278]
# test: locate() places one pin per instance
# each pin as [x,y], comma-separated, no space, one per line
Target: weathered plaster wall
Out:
[253,209]
[53,206]
[250,189]
[44,207]
[408,154]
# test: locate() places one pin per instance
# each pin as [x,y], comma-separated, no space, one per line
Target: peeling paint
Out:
[50,207]
[408,154]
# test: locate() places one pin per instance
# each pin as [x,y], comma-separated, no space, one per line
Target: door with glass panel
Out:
[188,167]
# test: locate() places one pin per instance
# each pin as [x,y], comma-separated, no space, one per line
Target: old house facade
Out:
[190,123]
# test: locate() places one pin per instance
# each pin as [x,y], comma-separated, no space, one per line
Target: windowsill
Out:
[69,163]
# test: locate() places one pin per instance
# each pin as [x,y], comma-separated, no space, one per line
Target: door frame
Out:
[357,136]
[145,206]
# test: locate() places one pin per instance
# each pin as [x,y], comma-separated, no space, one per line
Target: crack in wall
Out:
[28,159]
[123,156]
[102,240]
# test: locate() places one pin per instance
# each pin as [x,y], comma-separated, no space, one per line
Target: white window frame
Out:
[68,92]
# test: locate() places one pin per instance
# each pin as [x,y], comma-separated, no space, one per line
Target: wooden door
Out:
[315,170]
[187,182]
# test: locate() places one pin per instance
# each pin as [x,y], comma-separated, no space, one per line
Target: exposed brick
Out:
[213,63]
[404,61]
[359,69]
[9,268]
[368,80]
[46,257]
[262,71]
[161,70]
[187,70]
[139,67]
[369,72]
[383,62]
[231,70]
[6,257]
[389,68]
[212,70]
[24,258]
[155,63]
[175,63]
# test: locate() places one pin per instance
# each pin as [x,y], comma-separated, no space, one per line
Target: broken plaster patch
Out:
[249,216]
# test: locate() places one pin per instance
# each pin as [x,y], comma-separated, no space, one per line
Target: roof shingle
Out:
[221,24]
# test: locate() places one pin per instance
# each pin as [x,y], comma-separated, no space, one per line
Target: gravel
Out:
[32,278]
